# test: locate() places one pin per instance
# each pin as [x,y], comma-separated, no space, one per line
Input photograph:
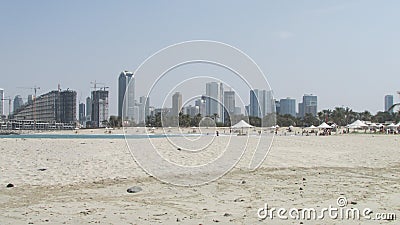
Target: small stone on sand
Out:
[10,185]
[134,189]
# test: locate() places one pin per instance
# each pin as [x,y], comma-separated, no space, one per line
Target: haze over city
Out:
[345,52]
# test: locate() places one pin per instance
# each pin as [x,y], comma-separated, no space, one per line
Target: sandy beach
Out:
[77,181]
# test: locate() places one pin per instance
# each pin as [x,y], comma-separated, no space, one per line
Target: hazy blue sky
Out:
[346,52]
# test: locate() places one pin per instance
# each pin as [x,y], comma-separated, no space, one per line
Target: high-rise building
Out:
[144,105]
[288,107]
[1,102]
[247,110]
[308,106]
[277,107]
[201,104]
[212,99]
[18,102]
[136,112]
[238,110]
[192,110]
[176,103]
[99,108]
[268,103]
[30,99]
[221,103]
[388,102]
[81,114]
[88,109]
[55,106]
[261,103]
[126,95]
[229,105]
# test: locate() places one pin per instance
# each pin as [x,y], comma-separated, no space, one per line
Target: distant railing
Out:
[35,125]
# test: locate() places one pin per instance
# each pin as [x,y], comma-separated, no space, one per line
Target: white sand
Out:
[85,181]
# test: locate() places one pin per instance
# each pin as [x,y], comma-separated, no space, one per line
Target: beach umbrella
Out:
[324,126]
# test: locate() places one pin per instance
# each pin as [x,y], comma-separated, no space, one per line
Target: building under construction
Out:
[99,108]
[55,106]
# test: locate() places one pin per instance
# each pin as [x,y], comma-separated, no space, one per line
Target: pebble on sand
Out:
[10,185]
[134,189]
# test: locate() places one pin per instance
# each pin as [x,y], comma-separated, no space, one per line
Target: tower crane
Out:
[34,88]
[95,83]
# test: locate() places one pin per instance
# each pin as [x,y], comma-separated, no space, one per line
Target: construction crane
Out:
[95,85]
[34,88]
[9,105]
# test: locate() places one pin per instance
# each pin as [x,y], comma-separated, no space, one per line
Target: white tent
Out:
[398,124]
[357,124]
[373,125]
[324,126]
[242,124]
[392,125]
[312,127]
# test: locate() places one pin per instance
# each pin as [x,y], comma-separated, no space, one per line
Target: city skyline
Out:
[142,105]
[324,48]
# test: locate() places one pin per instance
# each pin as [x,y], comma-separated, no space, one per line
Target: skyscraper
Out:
[212,98]
[221,103]
[308,106]
[99,108]
[1,102]
[268,102]
[229,105]
[30,99]
[88,109]
[201,104]
[261,103]
[176,103]
[18,102]
[288,107]
[82,115]
[144,105]
[126,95]
[388,102]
